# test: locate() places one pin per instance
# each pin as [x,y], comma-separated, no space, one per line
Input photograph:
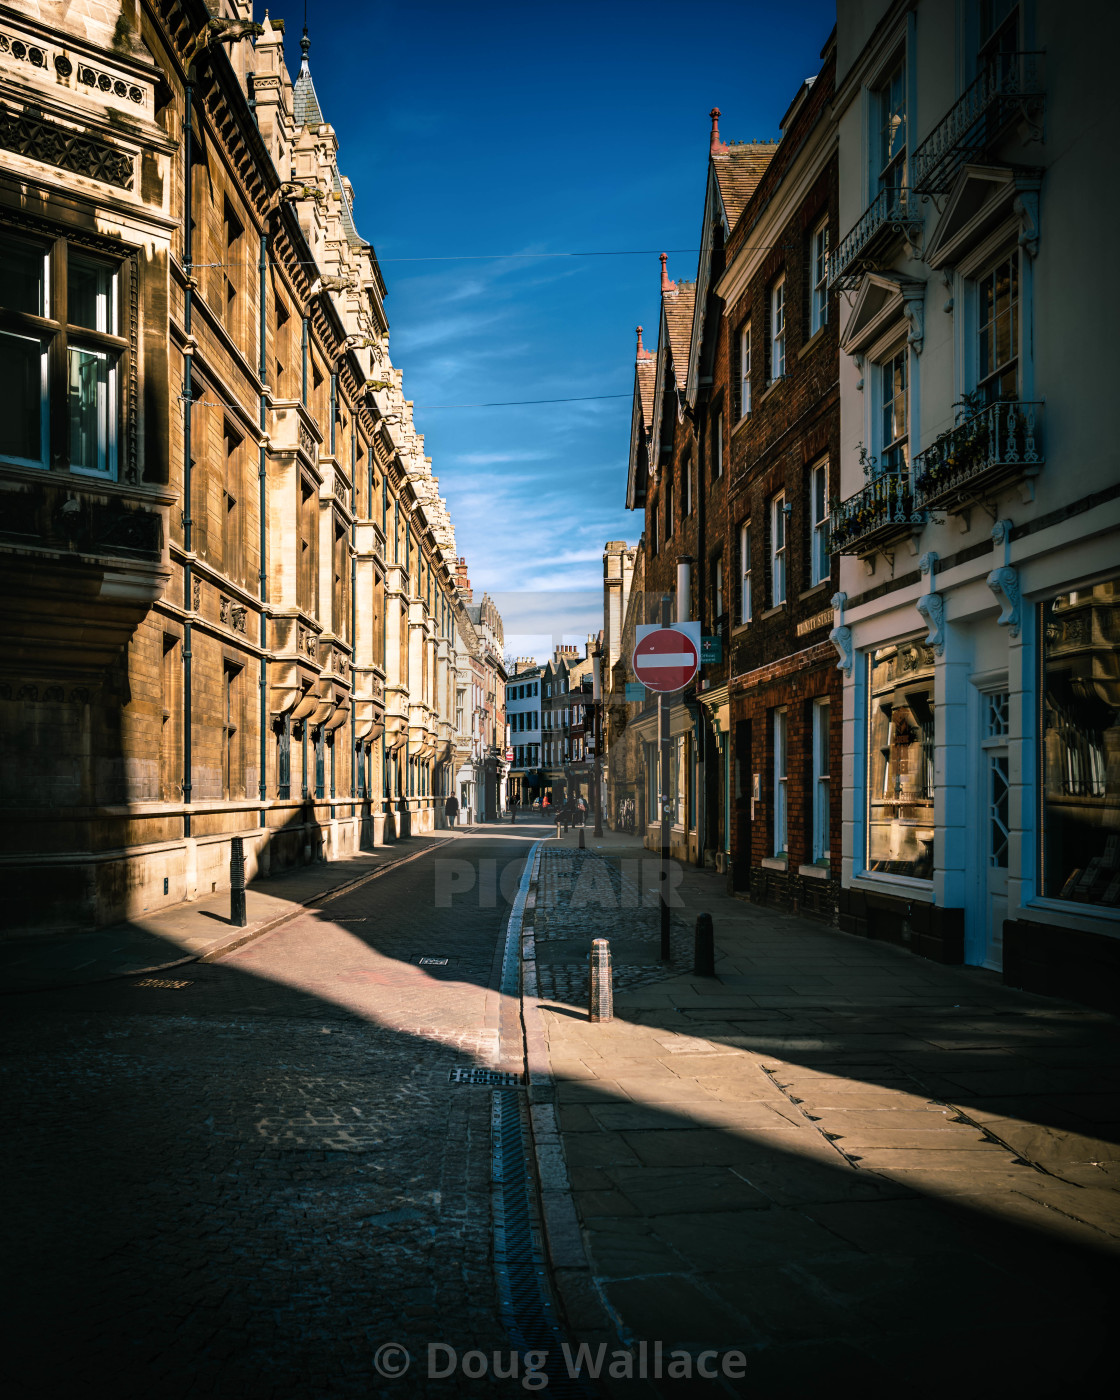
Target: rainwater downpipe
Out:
[303,362]
[188,400]
[701,603]
[262,489]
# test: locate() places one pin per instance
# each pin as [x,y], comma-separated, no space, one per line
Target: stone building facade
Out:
[231,603]
[978,622]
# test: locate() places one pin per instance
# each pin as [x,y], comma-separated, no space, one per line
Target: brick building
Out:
[678,478]
[778,380]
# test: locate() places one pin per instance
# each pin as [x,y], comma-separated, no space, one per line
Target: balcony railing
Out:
[999,442]
[892,213]
[1007,87]
[883,510]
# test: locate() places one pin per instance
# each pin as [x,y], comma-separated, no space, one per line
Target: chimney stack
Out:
[666,285]
[643,353]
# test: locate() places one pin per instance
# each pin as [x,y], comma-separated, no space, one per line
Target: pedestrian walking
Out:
[451,810]
[512,810]
[581,811]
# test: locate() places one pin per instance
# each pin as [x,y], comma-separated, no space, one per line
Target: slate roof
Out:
[646,376]
[678,322]
[305,103]
[738,170]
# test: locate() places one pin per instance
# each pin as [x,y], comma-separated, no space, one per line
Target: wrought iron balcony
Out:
[999,442]
[1007,88]
[893,213]
[882,511]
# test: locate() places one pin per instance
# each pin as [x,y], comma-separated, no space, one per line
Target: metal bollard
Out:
[600,998]
[704,955]
[582,842]
[237,883]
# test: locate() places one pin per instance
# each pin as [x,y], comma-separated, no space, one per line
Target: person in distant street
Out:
[581,811]
[512,810]
[546,802]
[452,810]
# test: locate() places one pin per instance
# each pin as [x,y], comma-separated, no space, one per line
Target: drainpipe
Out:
[303,361]
[262,492]
[701,600]
[188,399]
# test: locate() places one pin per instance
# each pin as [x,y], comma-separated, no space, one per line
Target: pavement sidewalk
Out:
[853,1165]
[198,930]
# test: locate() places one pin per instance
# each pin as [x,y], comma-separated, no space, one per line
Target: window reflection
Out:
[1081,745]
[900,761]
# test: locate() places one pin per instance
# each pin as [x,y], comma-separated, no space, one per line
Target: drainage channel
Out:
[524,1296]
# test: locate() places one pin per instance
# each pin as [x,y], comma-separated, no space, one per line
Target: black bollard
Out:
[704,956]
[600,992]
[237,883]
[582,842]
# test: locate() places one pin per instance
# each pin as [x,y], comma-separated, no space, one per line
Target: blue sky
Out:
[539,129]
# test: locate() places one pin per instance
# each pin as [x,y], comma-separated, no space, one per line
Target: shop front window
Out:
[900,761]
[1081,745]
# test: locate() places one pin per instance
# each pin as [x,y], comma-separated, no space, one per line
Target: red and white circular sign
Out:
[666,660]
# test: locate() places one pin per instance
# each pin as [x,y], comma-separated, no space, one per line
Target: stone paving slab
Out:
[194,930]
[835,1156]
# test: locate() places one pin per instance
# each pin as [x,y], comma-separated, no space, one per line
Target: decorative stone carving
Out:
[238,614]
[196,601]
[1004,583]
[104,83]
[927,561]
[223,610]
[1001,532]
[26,53]
[932,608]
[913,309]
[1026,206]
[841,639]
[307,441]
[29,135]
[841,636]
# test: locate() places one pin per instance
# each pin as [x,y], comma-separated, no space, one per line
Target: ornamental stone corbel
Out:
[841,635]
[858,361]
[932,608]
[931,605]
[1026,206]
[913,309]
[1004,583]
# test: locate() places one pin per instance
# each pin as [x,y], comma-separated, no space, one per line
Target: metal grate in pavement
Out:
[164,983]
[526,1307]
[432,962]
[493,1078]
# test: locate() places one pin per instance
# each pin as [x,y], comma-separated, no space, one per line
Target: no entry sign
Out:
[667,658]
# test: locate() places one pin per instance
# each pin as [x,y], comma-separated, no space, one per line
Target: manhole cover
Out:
[167,983]
[495,1078]
[432,962]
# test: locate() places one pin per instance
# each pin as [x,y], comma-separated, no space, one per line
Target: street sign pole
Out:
[663,734]
[666,659]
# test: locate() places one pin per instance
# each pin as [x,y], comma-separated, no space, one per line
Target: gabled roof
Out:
[733,176]
[641,424]
[677,309]
[678,302]
[738,170]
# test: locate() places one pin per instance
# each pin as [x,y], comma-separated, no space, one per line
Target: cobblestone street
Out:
[242,1177]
